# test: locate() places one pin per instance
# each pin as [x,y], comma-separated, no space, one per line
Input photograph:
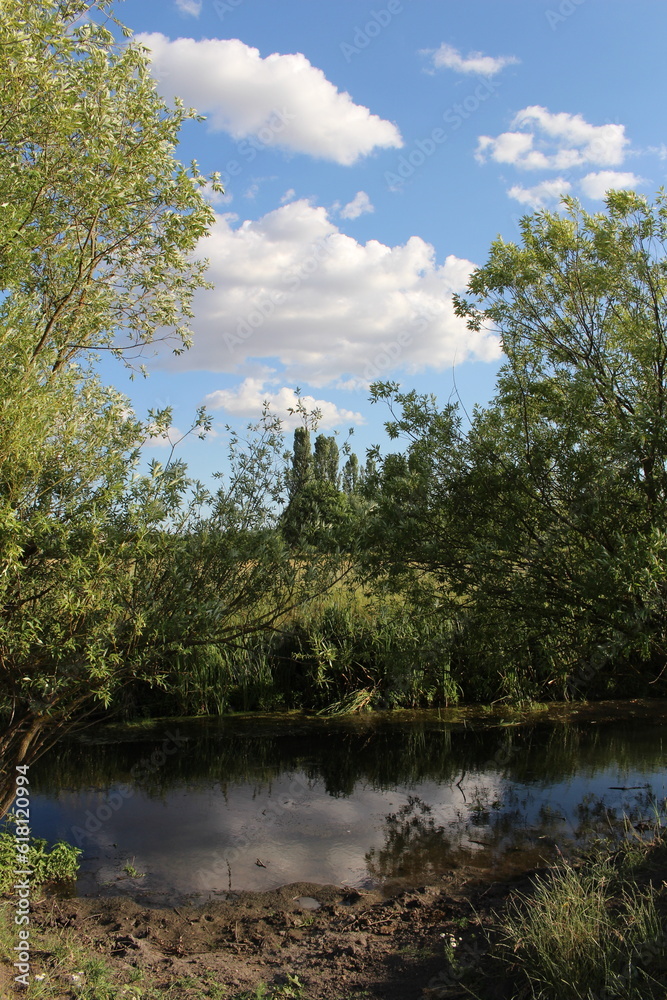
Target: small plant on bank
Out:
[131,871]
[59,864]
[291,990]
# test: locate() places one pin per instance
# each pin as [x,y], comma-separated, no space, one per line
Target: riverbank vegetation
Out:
[591,927]
[47,866]
[514,553]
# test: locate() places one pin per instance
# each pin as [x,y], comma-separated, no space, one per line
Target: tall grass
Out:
[366,652]
[208,680]
[345,652]
[587,932]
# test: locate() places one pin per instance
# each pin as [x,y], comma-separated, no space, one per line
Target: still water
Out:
[198,806]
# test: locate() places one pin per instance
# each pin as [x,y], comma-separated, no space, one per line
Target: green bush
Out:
[59,864]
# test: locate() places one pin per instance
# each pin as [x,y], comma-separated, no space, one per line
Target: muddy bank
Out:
[340,943]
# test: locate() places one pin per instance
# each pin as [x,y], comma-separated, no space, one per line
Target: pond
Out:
[193,808]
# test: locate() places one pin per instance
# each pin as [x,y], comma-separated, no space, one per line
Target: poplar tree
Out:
[351,474]
[302,461]
[326,460]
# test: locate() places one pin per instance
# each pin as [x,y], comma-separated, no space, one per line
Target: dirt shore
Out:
[428,941]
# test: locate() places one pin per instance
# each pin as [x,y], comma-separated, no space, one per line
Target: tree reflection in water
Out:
[415,847]
[495,836]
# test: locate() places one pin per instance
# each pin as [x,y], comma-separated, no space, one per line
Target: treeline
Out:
[528,543]
[517,552]
[543,524]
[523,554]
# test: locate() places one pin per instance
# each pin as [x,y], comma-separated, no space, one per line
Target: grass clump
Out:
[292,989]
[587,931]
[131,871]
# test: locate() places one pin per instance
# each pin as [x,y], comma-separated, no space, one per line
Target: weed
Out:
[131,871]
[291,990]
[60,864]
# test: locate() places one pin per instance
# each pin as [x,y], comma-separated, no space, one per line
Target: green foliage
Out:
[99,220]
[326,459]
[545,524]
[322,516]
[59,864]
[302,461]
[351,478]
[340,654]
[131,871]
[99,225]
[355,653]
[108,577]
[318,513]
[325,509]
[523,558]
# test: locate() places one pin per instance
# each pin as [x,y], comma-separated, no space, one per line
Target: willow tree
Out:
[107,576]
[582,401]
[546,522]
[99,224]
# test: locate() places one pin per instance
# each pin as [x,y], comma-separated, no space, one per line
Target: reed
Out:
[345,652]
[587,931]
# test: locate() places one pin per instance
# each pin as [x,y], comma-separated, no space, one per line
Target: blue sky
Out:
[370,154]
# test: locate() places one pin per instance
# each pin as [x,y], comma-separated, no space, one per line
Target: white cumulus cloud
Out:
[248,399]
[554,141]
[359,205]
[596,185]
[280,101]
[191,7]
[541,194]
[291,287]
[448,57]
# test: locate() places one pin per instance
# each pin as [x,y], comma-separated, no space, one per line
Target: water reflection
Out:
[415,846]
[195,805]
